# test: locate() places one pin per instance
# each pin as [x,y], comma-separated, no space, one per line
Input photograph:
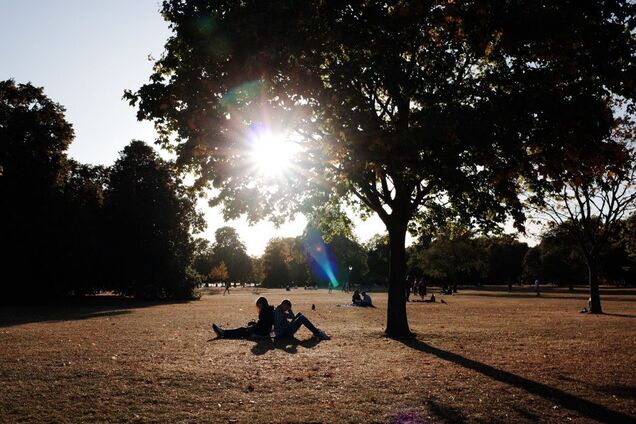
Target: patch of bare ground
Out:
[484,357]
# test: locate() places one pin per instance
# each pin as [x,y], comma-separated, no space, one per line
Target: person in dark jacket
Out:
[356,299]
[262,327]
[286,323]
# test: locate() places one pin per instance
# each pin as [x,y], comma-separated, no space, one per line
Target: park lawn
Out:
[484,357]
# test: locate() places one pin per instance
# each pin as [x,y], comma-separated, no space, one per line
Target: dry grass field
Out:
[484,357]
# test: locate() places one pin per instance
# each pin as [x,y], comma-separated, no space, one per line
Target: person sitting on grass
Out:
[366,300]
[588,306]
[262,327]
[286,323]
[356,299]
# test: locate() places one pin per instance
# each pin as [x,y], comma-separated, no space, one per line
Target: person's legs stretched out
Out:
[262,327]
[232,333]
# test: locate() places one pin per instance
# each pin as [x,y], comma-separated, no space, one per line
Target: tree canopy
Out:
[34,137]
[400,107]
[151,217]
[229,249]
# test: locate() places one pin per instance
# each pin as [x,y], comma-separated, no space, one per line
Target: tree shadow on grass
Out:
[549,295]
[618,390]
[569,401]
[73,309]
[620,315]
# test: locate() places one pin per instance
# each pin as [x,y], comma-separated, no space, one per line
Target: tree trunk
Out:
[396,322]
[595,295]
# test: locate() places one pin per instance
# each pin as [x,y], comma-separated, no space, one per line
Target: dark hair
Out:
[286,302]
[262,302]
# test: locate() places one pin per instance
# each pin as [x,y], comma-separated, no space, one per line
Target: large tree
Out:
[34,137]
[229,248]
[590,208]
[84,241]
[395,105]
[276,259]
[151,218]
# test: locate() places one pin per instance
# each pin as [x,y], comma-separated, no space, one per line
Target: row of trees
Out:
[466,258]
[71,228]
[558,258]
[68,228]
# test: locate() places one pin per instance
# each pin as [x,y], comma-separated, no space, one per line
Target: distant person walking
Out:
[408,287]
[536,287]
[227,288]
[345,285]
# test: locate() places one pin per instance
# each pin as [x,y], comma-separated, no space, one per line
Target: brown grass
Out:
[486,356]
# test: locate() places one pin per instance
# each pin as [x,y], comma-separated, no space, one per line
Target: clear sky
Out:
[85,53]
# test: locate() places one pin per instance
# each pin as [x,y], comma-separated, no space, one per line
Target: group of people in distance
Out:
[415,286]
[361,299]
[276,322]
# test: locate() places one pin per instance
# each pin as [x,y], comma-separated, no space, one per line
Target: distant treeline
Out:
[444,259]
[473,259]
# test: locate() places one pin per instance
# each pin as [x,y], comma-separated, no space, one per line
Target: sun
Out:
[271,152]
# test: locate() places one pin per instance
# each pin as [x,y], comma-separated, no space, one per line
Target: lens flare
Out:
[270,151]
[320,258]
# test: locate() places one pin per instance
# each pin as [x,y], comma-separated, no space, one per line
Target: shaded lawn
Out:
[484,357]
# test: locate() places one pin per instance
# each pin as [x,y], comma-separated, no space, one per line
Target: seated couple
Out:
[361,299]
[285,323]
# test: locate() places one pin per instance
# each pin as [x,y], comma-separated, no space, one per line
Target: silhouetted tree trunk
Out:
[595,295]
[396,321]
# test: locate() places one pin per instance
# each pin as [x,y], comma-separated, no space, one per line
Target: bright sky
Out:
[85,53]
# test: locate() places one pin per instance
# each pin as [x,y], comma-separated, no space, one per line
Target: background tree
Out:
[275,263]
[219,273]
[396,104]
[84,240]
[351,259]
[532,266]
[229,249]
[150,222]
[452,259]
[34,137]
[258,273]
[591,204]
[378,253]
[504,257]
[331,225]
[559,260]
[203,261]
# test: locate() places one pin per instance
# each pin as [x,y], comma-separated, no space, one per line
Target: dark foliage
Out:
[72,229]
[34,136]
[150,217]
